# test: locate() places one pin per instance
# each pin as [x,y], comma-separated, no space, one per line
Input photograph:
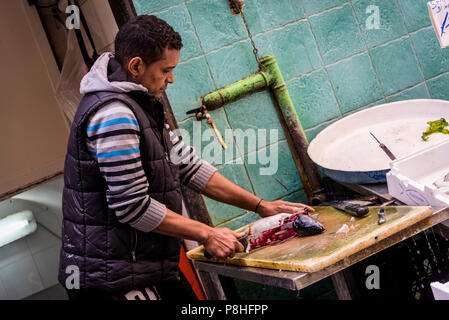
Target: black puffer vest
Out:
[110,255]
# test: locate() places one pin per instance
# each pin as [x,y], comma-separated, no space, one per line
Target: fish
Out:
[279,227]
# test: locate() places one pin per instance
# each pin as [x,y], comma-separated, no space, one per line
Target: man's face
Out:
[156,76]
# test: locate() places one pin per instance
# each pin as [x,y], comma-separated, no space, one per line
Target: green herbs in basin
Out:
[434,127]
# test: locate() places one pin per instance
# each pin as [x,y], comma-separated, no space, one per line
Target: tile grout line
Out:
[249,211]
[304,45]
[338,6]
[438,75]
[269,145]
[344,59]
[211,76]
[387,42]
[313,34]
[363,107]
[321,58]
[162,10]
[246,39]
[322,123]
[305,18]
[368,52]
[240,152]
[325,69]
[265,147]
[201,46]
[405,89]
[421,29]
[220,225]
[413,48]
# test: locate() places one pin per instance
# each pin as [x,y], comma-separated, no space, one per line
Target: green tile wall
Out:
[263,15]
[291,62]
[215,24]
[414,13]
[354,82]
[310,93]
[179,18]
[391,24]
[229,63]
[433,60]
[334,65]
[396,65]
[337,33]
[314,6]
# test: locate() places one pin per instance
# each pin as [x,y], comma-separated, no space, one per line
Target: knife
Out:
[384,148]
[244,240]
[355,208]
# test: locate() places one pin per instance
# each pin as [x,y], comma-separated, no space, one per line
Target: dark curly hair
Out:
[145,36]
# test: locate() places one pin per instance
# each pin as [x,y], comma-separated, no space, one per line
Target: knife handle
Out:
[387,151]
[207,255]
[242,240]
[356,210]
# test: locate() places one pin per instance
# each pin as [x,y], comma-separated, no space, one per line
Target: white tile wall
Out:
[21,279]
[5,208]
[57,293]
[47,262]
[54,293]
[30,265]
[18,205]
[13,252]
[40,240]
[3,295]
[49,220]
[47,195]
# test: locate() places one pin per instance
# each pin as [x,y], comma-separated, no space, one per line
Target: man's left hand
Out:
[270,208]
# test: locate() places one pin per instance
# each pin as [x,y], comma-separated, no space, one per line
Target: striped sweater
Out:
[113,139]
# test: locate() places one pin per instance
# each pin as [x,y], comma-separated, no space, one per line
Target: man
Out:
[122,201]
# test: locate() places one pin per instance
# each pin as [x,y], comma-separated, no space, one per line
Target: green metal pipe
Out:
[271,78]
[309,173]
[218,98]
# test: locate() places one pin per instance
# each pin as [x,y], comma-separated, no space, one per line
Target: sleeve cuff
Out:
[201,177]
[152,217]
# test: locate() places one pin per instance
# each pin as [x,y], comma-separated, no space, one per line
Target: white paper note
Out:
[439,15]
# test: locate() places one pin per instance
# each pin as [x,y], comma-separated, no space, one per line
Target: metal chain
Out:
[255,51]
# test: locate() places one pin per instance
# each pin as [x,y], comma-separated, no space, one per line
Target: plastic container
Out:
[411,178]
[440,290]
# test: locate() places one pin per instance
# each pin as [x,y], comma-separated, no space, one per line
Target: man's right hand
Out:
[222,243]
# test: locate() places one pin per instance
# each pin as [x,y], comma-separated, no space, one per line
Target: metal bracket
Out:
[236,6]
[200,113]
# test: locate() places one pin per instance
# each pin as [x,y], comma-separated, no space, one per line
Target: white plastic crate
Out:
[411,178]
[440,290]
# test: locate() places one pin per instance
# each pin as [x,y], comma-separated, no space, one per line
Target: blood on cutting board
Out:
[275,234]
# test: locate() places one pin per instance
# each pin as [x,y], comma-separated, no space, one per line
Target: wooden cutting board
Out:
[313,253]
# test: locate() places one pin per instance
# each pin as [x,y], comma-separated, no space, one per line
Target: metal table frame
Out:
[293,280]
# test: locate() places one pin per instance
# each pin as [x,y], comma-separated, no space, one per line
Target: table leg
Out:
[212,285]
[341,286]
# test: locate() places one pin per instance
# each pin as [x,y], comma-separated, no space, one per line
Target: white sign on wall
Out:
[439,15]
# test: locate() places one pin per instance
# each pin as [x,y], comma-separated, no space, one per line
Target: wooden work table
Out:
[298,280]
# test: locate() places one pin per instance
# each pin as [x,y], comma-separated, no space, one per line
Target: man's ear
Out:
[136,67]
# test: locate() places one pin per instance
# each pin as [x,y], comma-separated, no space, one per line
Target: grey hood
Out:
[97,79]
